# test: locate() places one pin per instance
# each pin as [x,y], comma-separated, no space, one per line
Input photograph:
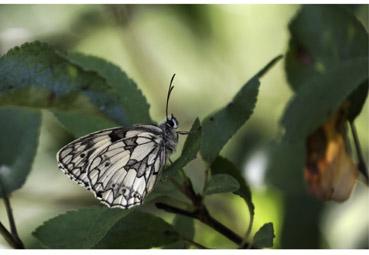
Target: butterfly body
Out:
[120,165]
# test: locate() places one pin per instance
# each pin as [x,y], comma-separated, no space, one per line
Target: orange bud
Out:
[329,170]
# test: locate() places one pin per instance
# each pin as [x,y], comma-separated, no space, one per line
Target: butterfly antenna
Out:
[168,95]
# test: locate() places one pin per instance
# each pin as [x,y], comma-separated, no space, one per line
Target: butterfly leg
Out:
[183,132]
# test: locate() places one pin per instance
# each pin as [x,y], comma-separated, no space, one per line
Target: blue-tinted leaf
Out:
[35,75]
[18,144]
[133,102]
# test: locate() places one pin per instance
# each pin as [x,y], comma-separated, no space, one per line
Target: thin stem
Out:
[9,212]
[248,232]
[8,237]
[361,164]
[204,216]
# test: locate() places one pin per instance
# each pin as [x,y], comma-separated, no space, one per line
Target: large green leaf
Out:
[134,103]
[82,123]
[81,229]
[189,151]
[139,230]
[35,75]
[264,236]
[322,38]
[18,144]
[220,126]
[221,183]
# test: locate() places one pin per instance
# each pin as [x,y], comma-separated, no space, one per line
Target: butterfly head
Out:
[172,122]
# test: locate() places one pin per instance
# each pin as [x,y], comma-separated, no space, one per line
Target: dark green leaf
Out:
[223,165]
[81,229]
[139,230]
[322,38]
[220,126]
[327,93]
[166,189]
[221,183]
[302,117]
[186,228]
[313,104]
[18,144]
[189,151]
[131,98]
[357,100]
[264,236]
[35,75]
[81,123]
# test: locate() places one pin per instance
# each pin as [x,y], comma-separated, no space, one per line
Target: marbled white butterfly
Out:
[121,165]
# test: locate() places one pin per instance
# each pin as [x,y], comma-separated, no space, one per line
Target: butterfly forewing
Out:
[120,166]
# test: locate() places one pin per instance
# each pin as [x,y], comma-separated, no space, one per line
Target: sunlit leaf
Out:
[18,144]
[220,126]
[264,236]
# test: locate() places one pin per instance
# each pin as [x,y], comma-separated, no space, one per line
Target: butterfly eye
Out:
[82,155]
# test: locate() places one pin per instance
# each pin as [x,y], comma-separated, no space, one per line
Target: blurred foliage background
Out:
[213,49]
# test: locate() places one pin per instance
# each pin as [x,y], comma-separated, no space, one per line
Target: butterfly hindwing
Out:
[74,158]
[119,166]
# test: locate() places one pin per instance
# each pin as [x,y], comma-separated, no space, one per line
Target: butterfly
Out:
[120,166]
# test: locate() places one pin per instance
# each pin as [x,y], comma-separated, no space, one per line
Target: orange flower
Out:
[329,170]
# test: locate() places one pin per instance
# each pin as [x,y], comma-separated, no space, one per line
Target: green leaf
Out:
[221,183]
[189,151]
[220,126]
[264,236]
[322,38]
[81,229]
[139,230]
[18,144]
[35,75]
[81,123]
[224,166]
[131,98]
[185,226]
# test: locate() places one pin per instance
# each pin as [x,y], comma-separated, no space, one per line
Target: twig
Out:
[361,164]
[194,243]
[203,215]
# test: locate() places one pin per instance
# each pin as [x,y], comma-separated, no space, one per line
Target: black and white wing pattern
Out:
[120,166]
